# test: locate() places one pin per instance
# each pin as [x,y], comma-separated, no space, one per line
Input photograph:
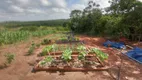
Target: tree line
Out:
[14,24]
[122,17]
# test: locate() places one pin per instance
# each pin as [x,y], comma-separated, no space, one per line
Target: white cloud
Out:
[78,6]
[36,11]
[23,1]
[102,3]
[59,3]
[46,3]
[60,10]
[41,9]
[15,8]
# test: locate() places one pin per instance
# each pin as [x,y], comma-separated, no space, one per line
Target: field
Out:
[26,43]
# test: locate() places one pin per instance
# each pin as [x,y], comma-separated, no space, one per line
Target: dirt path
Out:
[21,68]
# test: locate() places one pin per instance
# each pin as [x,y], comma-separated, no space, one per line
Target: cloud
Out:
[46,2]
[78,6]
[40,9]
[58,10]
[15,8]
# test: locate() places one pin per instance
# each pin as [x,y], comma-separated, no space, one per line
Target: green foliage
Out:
[47,60]
[14,24]
[31,49]
[101,55]
[66,55]
[82,55]
[9,58]
[45,41]
[82,52]
[81,48]
[63,39]
[9,37]
[47,50]
[31,28]
[123,16]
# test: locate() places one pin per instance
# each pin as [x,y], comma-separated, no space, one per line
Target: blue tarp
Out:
[118,45]
[135,54]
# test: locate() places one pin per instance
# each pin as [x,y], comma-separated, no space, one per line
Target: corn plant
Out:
[10,37]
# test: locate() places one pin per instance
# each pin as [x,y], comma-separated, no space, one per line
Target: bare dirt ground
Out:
[22,66]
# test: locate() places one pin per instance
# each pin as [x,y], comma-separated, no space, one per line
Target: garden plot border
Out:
[67,42]
[100,67]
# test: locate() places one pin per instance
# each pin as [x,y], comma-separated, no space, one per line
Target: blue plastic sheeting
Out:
[118,45]
[135,54]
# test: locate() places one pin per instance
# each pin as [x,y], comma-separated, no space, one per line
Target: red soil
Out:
[21,68]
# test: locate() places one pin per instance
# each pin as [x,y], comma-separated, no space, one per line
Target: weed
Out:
[9,58]
[31,49]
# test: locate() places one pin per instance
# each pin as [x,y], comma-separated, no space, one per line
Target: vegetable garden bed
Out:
[66,41]
[82,60]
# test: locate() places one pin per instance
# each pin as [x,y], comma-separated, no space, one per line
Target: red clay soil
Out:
[21,68]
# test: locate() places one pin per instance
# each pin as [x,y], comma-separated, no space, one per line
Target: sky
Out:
[33,10]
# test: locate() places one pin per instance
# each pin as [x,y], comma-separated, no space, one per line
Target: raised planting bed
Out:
[89,64]
[67,41]
[73,61]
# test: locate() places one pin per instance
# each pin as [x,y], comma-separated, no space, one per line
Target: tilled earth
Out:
[21,68]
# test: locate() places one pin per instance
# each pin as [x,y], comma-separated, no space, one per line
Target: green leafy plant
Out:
[47,50]
[82,52]
[102,56]
[81,48]
[66,55]
[63,39]
[48,60]
[9,58]
[31,49]
[46,41]
[82,55]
